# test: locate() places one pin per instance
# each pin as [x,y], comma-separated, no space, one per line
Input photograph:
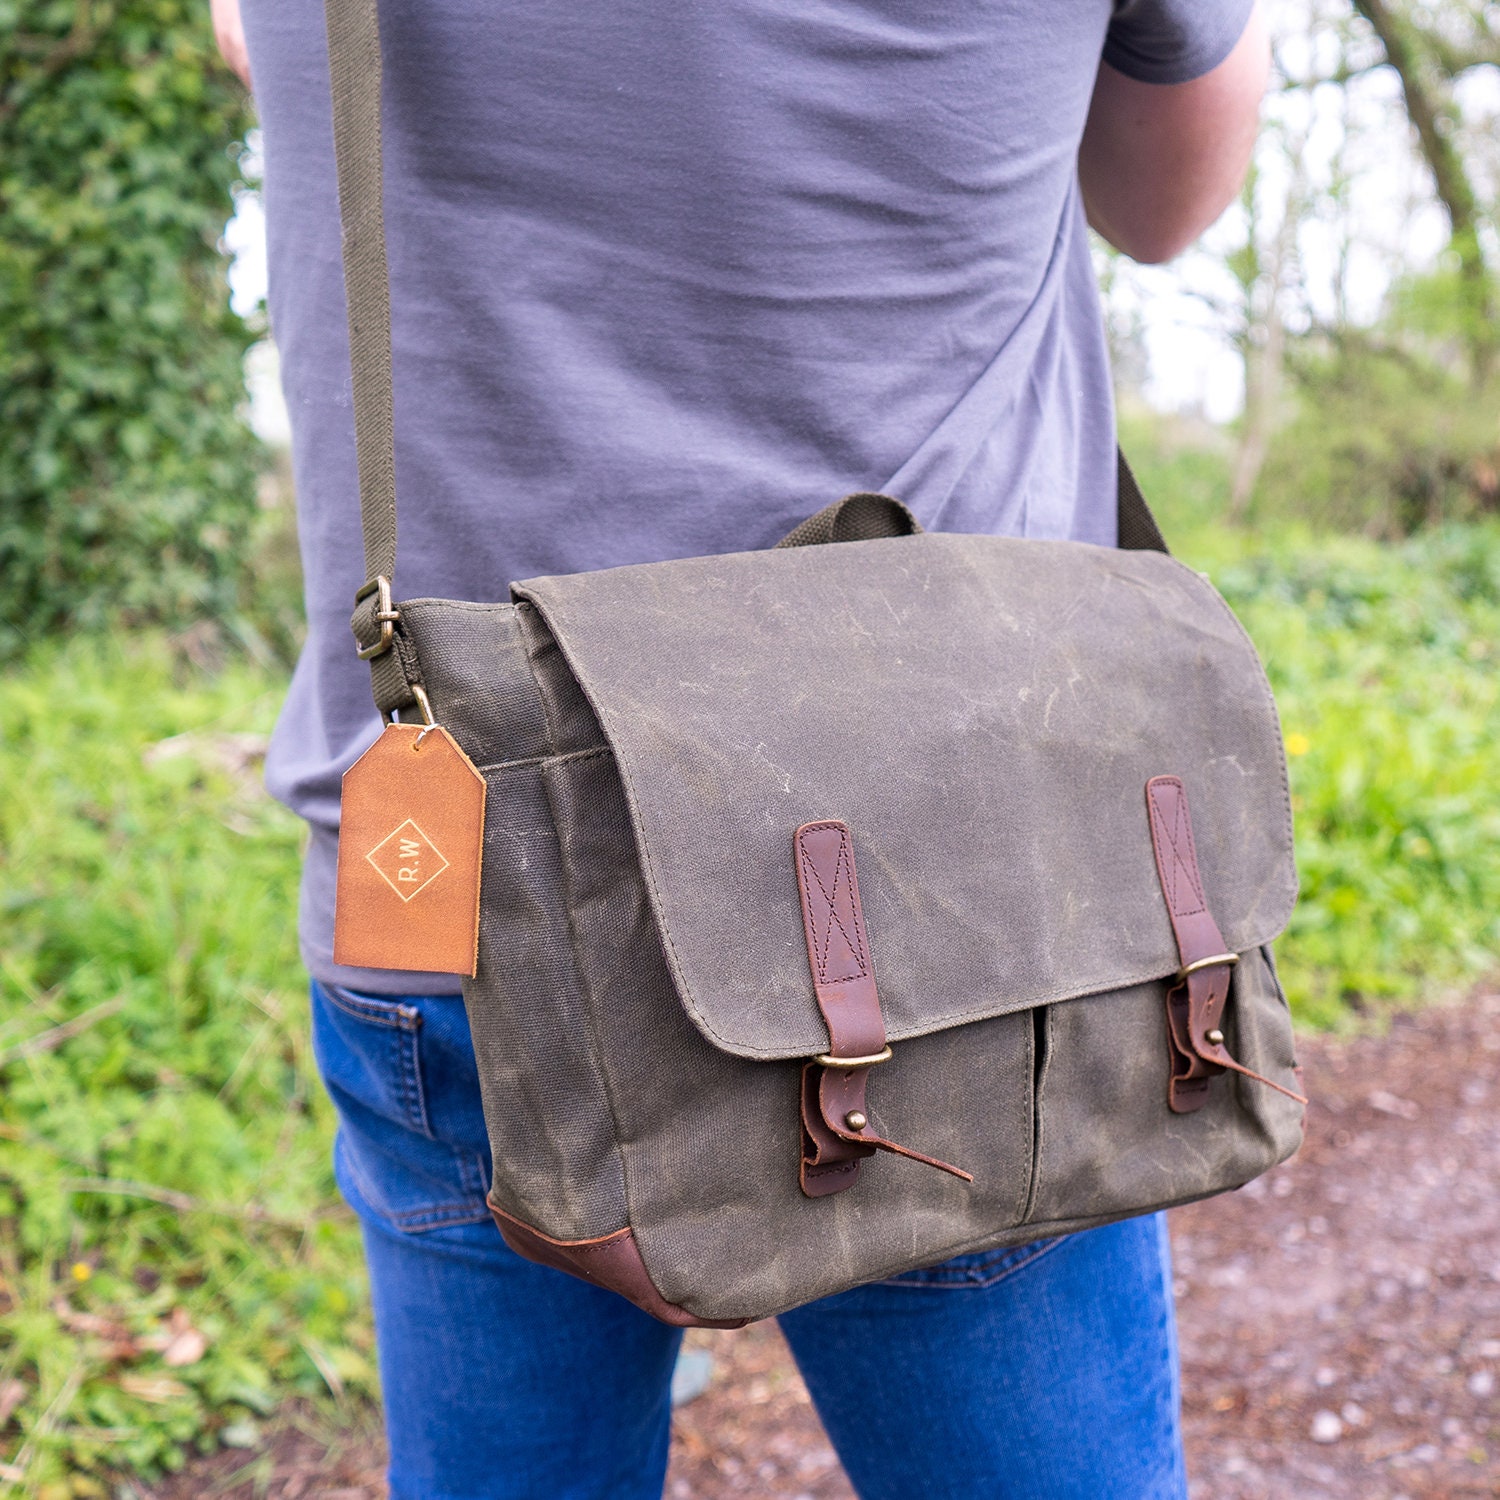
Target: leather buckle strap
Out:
[1199,995]
[1213,959]
[836,1128]
[395,675]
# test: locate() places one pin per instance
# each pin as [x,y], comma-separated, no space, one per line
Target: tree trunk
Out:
[1430,108]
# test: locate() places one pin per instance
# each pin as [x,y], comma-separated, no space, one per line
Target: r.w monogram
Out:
[408,861]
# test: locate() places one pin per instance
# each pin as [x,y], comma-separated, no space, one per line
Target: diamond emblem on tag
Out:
[407,860]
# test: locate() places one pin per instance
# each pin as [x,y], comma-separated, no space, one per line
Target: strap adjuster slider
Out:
[386,613]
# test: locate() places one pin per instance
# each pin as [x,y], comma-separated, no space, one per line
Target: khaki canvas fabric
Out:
[983,712]
[995,790]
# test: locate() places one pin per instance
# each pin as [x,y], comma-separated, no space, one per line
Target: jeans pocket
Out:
[368,1049]
[974,1272]
[392,1165]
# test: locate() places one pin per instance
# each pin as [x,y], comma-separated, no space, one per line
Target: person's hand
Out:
[230,35]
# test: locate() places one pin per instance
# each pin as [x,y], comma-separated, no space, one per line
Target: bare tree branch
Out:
[1339,76]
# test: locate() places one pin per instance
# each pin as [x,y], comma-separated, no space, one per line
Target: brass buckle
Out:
[1207,963]
[387,614]
[824,1060]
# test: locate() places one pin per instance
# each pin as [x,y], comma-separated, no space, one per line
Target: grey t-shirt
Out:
[667,277]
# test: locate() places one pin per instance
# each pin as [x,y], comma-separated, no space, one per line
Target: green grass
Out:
[149,899]
[147,903]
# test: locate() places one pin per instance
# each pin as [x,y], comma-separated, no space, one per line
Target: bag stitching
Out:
[598,1056]
[1038,1118]
[1175,863]
[833,1169]
[856,947]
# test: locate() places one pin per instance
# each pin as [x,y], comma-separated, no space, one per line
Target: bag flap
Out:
[983,712]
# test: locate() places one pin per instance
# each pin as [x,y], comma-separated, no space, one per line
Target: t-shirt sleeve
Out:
[1173,41]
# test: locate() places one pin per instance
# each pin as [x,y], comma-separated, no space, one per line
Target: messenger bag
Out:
[831,910]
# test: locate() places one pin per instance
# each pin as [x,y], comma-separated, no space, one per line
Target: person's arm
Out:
[230,35]
[1160,162]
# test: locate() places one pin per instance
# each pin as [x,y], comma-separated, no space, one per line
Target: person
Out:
[665,280]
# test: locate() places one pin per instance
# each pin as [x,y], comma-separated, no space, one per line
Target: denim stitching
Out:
[470,1210]
[441,1216]
[389,1013]
[471,1171]
[976,1278]
[416,1099]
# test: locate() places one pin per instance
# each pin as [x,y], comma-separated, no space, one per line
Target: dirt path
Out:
[1340,1319]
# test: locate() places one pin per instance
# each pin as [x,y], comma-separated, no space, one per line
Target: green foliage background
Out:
[1387,430]
[163,1137]
[127,478]
[172,1156]
[164,1141]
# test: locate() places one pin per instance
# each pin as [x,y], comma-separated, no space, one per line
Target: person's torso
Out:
[667,278]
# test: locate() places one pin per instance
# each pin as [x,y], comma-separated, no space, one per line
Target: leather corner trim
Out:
[612,1261]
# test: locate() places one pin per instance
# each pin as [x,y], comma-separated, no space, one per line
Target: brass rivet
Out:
[855,1120]
[1216,1037]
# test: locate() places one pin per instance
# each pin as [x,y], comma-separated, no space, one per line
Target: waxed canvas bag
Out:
[848,906]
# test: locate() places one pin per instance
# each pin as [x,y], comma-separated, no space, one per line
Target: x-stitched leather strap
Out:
[836,1128]
[1197,1002]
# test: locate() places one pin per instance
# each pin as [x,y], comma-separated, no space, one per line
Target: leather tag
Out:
[411,836]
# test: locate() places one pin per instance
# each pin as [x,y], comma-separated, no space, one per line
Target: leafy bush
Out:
[1384,664]
[1382,443]
[127,477]
[1390,429]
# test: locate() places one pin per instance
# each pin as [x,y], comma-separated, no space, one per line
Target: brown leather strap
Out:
[837,1131]
[1197,1002]
[829,1162]
[834,924]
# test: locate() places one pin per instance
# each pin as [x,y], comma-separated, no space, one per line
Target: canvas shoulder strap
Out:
[1137,528]
[354,70]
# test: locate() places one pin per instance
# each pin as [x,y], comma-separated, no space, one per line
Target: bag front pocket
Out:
[1107,1143]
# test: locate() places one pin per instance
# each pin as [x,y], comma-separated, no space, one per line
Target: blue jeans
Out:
[1036,1373]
